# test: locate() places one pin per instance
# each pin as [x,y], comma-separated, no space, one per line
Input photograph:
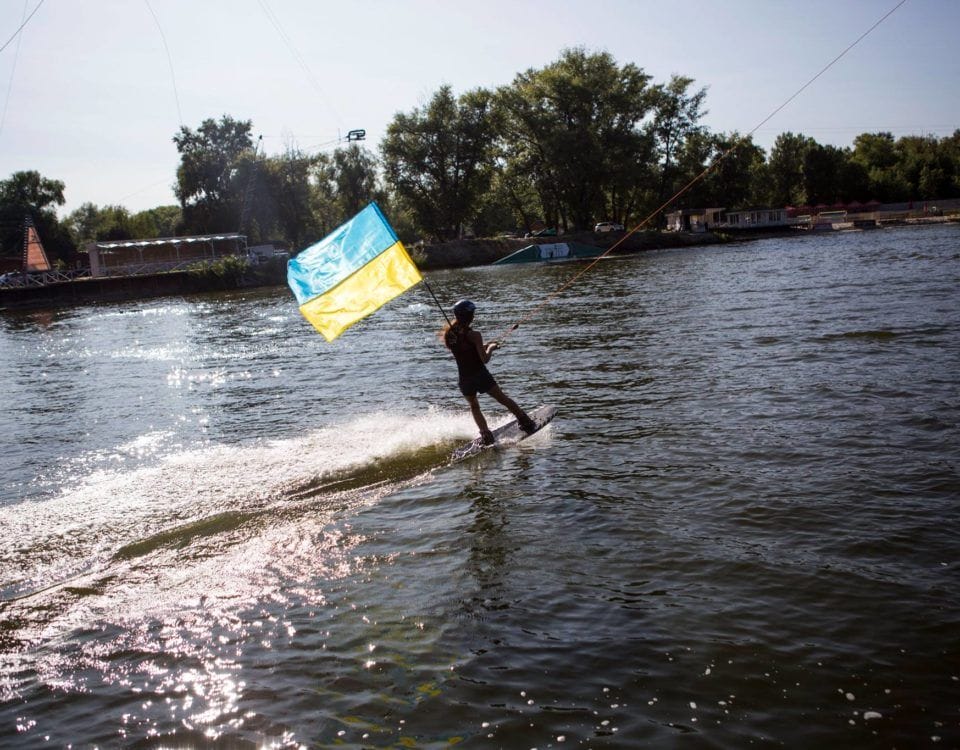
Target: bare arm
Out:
[485,351]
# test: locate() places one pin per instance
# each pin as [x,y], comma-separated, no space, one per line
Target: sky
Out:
[93,91]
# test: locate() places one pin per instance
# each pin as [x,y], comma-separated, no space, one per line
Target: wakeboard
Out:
[507,433]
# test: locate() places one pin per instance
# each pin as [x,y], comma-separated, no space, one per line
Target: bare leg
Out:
[504,399]
[479,419]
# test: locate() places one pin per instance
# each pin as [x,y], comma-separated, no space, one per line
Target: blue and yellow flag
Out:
[350,273]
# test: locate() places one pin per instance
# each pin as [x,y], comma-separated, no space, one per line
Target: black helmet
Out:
[464,309]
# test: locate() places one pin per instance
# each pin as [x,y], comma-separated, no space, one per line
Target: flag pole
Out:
[444,312]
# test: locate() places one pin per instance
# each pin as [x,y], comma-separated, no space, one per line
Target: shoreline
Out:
[428,257]
[481,252]
[478,252]
[110,289]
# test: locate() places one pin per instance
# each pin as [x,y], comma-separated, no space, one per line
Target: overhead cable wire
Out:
[173,77]
[275,22]
[22,25]
[316,147]
[570,282]
[142,190]
[13,68]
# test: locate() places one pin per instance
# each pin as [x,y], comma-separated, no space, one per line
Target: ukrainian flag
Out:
[350,273]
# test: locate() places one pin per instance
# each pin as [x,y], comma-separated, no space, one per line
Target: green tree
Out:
[437,159]
[29,195]
[573,131]
[355,176]
[877,154]
[698,151]
[91,223]
[294,178]
[950,148]
[786,170]
[256,197]
[115,224]
[732,182]
[32,191]
[823,174]
[925,167]
[162,221]
[875,150]
[854,180]
[323,196]
[509,205]
[83,223]
[677,113]
[210,186]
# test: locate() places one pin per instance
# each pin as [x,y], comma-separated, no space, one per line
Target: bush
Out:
[226,272]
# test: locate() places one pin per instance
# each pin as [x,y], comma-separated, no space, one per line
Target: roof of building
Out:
[113,244]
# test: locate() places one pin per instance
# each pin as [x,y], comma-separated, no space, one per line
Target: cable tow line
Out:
[736,144]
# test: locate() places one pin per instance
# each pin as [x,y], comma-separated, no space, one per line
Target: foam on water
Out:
[199,502]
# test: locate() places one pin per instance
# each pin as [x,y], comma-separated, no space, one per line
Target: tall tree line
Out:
[580,140]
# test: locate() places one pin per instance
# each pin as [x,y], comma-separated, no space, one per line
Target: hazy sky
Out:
[89,95]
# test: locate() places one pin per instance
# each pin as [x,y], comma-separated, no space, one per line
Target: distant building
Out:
[752,218]
[136,257]
[694,219]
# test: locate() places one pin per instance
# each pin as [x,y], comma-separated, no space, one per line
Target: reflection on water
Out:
[216,529]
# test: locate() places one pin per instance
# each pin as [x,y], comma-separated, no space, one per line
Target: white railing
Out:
[40,278]
[142,269]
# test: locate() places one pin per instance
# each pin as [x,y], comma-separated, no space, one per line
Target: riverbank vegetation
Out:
[580,140]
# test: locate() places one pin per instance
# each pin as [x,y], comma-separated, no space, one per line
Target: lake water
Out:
[741,530]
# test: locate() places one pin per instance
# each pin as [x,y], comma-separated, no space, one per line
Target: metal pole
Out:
[444,312]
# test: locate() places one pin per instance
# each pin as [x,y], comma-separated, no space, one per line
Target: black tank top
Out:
[465,351]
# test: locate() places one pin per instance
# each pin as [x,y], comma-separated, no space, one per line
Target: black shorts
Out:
[479,382]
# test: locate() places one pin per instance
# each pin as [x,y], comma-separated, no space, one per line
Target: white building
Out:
[752,218]
[694,219]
